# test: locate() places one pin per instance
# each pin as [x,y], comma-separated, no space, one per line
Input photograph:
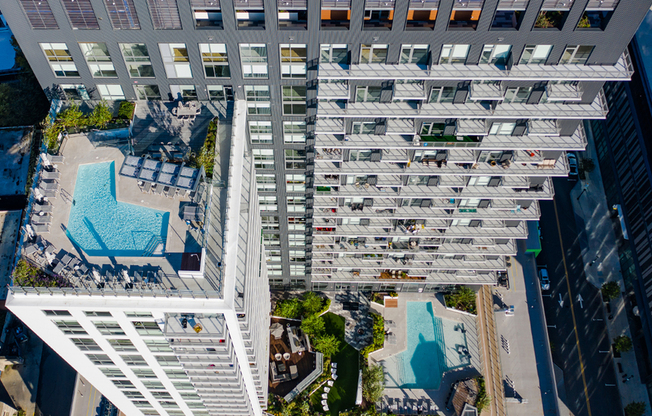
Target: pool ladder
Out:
[153,244]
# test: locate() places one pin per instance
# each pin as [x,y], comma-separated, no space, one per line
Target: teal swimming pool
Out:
[102,226]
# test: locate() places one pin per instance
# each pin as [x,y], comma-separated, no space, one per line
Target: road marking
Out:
[577,338]
[91,400]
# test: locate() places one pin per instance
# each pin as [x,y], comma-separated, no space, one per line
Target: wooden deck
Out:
[304,361]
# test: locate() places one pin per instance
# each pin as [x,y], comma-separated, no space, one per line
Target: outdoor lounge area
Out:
[91,214]
[290,357]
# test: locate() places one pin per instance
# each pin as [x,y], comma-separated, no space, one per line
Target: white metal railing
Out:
[319,368]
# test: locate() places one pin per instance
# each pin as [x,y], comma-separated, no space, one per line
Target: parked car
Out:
[572,163]
[545,280]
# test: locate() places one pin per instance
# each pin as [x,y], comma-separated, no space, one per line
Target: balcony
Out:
[335,14]
[294,17]
[250,18]
[458,278]
[409,91]
[564,92]
[620,71]
[324,246]
[422,18]
[400,127]
[486,90]
[333,91]
[329,126]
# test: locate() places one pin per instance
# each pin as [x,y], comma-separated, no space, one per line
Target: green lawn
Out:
[342,394]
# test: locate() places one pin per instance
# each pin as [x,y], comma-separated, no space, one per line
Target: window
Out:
[465,15]
[165,14]
[216,92]
[253,57]
[216,62]
[147,92]
[273,255]
[576,55]
[294,131]
[74,92]
[122,14]
[360,155]
[432,129]
[292,15]
[176,374]
[39,14]
[250,14]
[134,360]
[147,328]
[97,313]
[70,327]
[260,132]
[263,158]
[141,403]
[535,54]
[175,60]
[442,95]
[267,203]
[86,344]
[155,345]
[207,14]
[100,359]
[123,384]
[298,255]
[297,269]
[137,60]
[258,99]
[162,395]
[133,394]
[378,15]
[502,128]
[293,61]
[295,159]
[367,94]
[418,180]
[297,224]
[296,204]
[109,327]
[138,314]
[294,99]
[122,345]
[60,59]
[597,14]
[272,238]
[295,182]
[553,14]
[334,54]
[56,313]
[182,386]
[167,361]
[98,59]
[143,373]
[517,95]
[184,92]
[296,239]
[81,14]
[111,92]
[509,14]
[373,54]
[454,54]
[113,373]
[495,54]
[153,385]
[414,54]
[422,15]
[335,14]
[360,127]
[270,223]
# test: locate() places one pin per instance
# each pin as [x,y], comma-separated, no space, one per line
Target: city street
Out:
[574,313]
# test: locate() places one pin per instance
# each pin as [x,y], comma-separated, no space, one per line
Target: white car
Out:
[545,280]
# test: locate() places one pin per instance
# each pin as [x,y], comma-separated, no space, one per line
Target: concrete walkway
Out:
[599,244]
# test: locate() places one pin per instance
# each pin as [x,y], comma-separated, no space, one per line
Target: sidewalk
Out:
[599,246]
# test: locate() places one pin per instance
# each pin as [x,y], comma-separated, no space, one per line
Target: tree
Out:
[327,345]
[373,383]
[622,343]
[463,299]
[313,325]
[71,117]
[312,303]
[288,308]
[635,409]
[610,290]
[587,165]
[304,407]
[101,115]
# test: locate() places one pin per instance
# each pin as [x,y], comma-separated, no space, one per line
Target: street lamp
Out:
[583,190]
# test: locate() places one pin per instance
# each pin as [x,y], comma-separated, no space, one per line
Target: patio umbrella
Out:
[276,330]
[286,356]
[278,356]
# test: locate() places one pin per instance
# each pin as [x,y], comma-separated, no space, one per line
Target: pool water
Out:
[102,226]
[423,364]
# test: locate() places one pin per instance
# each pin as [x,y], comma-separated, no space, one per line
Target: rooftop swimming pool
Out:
[432,344]
[102,226]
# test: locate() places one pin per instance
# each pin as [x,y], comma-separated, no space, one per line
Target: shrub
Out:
[206,157]
[101,115]
[463,299]
[378,336]
[482,400]
[635,409]
[378,298]
[587,165]
[27,275]
[126,110]
[327,345]
[622,343]
[313,325]
[72,117]
[51,134]
[288,308]
[312,303]
[373,383]
[610,290]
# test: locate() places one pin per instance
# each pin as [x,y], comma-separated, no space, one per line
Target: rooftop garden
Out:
[462,299]
[26,274]
[206,157]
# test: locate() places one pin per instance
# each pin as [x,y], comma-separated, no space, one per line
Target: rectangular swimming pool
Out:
[101,226]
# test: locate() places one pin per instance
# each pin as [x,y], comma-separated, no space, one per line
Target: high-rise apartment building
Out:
[399,145]
[194,343]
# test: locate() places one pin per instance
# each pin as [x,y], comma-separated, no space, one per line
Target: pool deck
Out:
[399,316]
[78,150]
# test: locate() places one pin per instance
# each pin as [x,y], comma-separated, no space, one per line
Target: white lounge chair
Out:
[324,396]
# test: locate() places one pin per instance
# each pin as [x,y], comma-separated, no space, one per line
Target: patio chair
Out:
[159,189]
[326,409]
[324,402]
[334,365]
[327,389]
[324,395]
[147,187]
[67,258]
[334,376]
[30,249]
[42,208]
[330,383]
[50,175]
[58,268]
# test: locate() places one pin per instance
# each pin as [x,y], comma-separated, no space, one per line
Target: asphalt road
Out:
[580,338]
[55,385]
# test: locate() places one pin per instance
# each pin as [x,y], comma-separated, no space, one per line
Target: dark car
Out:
[572,164]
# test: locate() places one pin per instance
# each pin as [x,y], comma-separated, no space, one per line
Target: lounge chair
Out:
[326,409]
[67,258]
[58,268]
[48,185]
[50,175]
[30,249]
[324,402]
[41,219]
[42,208]
[159,189]
[324,395]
